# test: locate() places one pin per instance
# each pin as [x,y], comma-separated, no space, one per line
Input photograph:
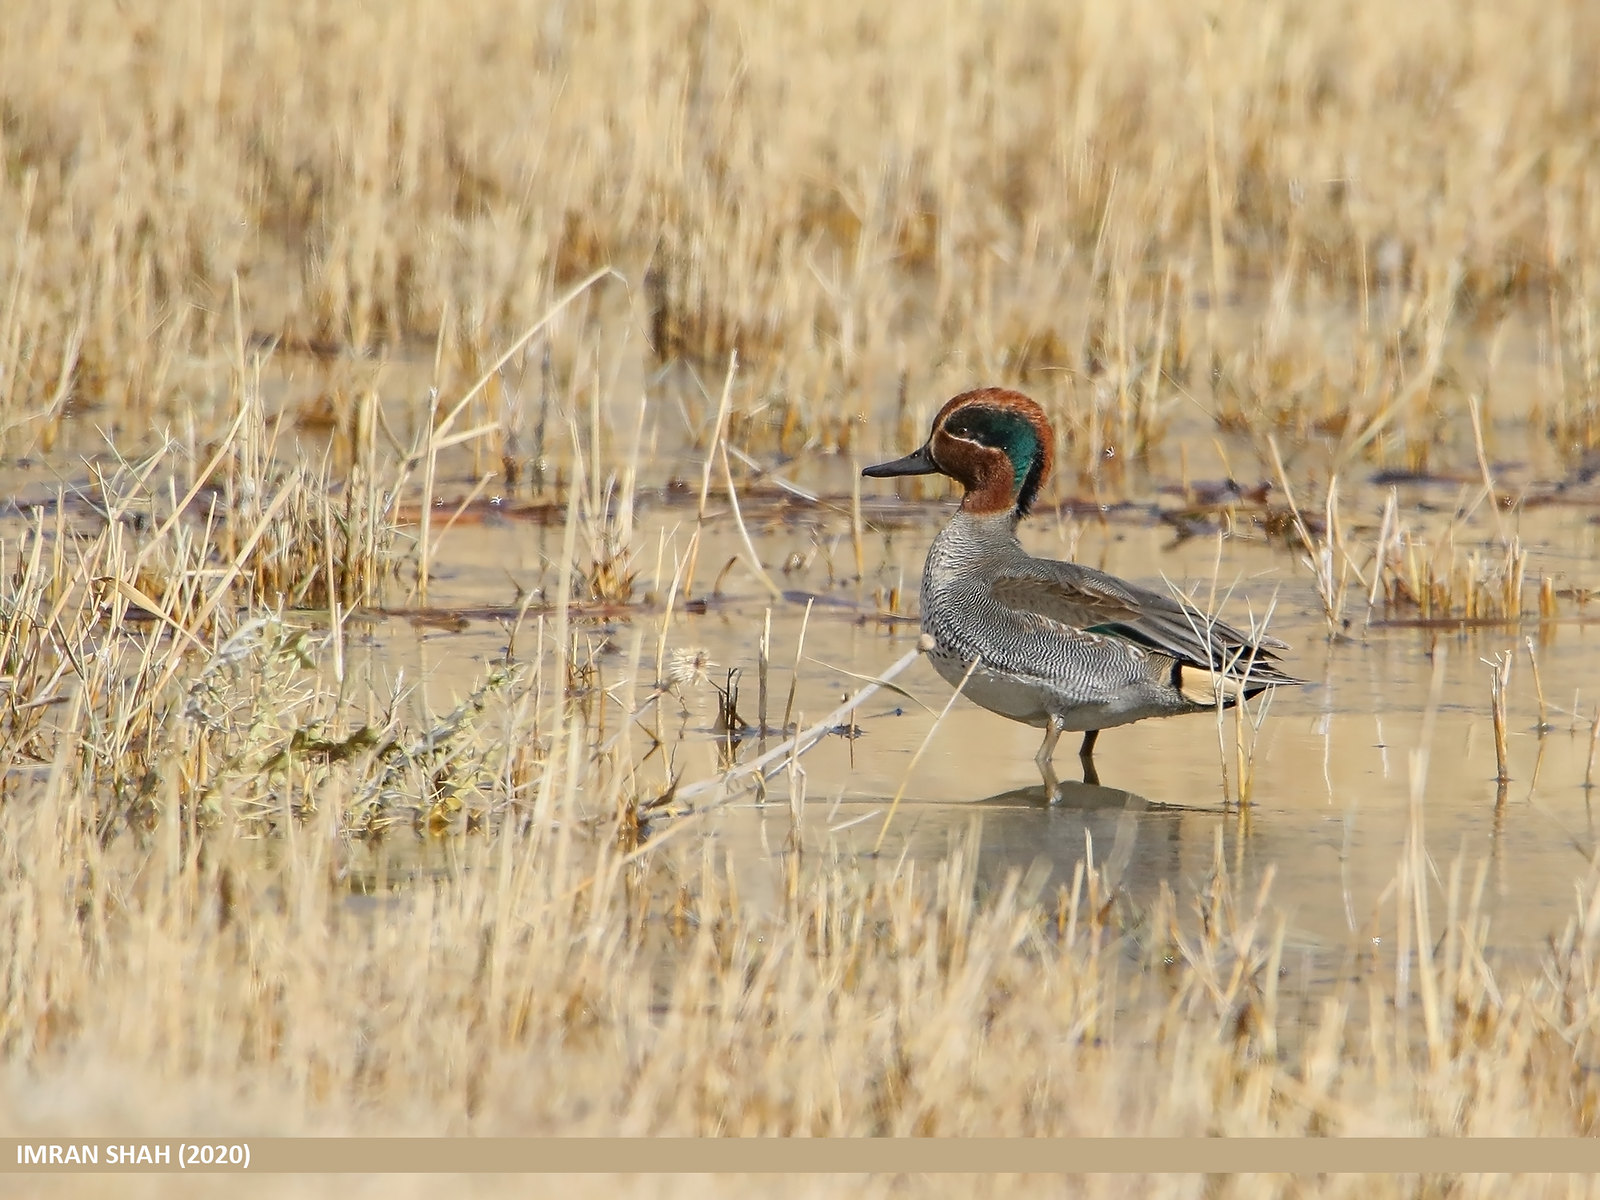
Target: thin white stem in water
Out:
[510,352]
[754,558]
[1320,559]
[724,785]
[705,476]
[927,739]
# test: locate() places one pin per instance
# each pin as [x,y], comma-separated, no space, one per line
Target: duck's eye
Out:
[965,427]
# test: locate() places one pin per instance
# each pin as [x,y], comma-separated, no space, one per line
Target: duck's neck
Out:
[969,548]
[993,497]
[969,528]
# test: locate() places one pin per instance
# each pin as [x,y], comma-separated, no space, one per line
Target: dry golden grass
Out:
[549,979]
[1347,229]
[1056,196]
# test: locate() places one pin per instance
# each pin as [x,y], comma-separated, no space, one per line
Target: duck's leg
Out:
[1086,757]
[1045,759]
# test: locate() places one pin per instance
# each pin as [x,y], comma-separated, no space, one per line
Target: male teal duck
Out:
[1058,645]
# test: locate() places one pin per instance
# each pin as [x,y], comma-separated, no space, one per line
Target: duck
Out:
[1056,645]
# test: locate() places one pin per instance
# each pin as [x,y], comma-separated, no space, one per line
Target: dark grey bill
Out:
[918,462]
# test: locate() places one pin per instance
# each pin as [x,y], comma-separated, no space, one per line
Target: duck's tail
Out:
[1246,676]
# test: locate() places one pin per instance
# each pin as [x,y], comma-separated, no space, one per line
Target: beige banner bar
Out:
[1301,1156]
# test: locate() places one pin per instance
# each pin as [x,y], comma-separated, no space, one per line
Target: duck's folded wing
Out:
[1075,602]
[1099,603]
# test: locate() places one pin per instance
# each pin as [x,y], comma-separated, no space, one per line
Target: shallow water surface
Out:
[1389,738]
[1334,764]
